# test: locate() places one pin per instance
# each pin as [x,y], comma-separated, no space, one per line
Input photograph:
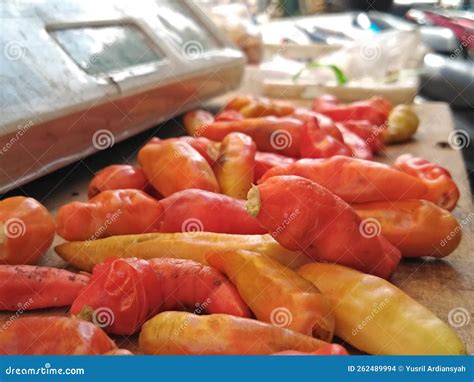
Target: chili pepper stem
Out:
[86,313]
[253,201]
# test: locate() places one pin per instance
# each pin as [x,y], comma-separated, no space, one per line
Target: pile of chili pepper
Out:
[268,230]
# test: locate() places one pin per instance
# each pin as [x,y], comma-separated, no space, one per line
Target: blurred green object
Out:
[340,76]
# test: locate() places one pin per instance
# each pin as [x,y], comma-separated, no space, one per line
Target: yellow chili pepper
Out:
[377,317]
[183,245]
[181,333]
[276,294]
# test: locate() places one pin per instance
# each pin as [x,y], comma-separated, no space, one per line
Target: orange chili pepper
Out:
[270,134]
[112,212]
[172,166]
[416,227]
[26,230]
[441,187]
[117,177]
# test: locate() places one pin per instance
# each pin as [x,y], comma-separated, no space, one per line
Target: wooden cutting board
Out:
[443,286]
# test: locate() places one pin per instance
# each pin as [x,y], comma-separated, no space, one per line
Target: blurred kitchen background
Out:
[404,49]
[75,71]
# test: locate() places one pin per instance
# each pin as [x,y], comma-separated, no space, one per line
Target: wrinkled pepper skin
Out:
[112,212]
[85,254]
[318,142]
[371,134]
[26,230]
[442,189]
[53,336]
[416,227]
[197,121]
[288,300]
[134,290]
[234,168]
[164,161]
[316,221]
[375,110]
[189,285]
[266,161]
[329,349]
[359,148]
[203,211]
[355,180]
[118,177]
[270,134]
[398,326]
[120,297]
[31,287]
[180,333]
[254,107]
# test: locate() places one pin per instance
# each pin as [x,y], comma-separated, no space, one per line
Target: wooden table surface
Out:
[443,286]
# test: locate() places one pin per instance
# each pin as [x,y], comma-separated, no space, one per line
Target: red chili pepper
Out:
[302,215]
[123,293]
[442,189]
[355,180]
[198,210]
[29,287]
[321,139]
[329,349]
[266,161]
[371,134]
[53,336]
[359,148]
[120,296]
[375,110]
